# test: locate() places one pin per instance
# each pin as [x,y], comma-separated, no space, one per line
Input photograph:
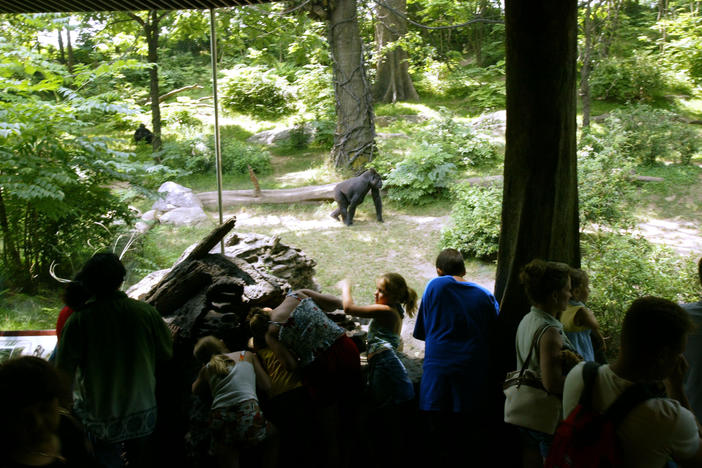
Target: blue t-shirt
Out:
[455,320]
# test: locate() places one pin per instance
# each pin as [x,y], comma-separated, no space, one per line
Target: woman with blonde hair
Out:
[236,420]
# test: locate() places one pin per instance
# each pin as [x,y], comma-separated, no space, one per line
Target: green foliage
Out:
[54,200]
[256,91]
[605,188]
[197,156]
[482,87]
[682,49]
[623,267]
[315,90]
[627,79]
[422,176]
[475,226]
[459,139]
[648,135]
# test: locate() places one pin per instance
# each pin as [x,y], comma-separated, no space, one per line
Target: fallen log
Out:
[248,197]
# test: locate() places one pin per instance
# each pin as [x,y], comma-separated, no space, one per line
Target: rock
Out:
[151,215]
[184,216]
[175,196]
[140,289]
[279,135]
[142,227]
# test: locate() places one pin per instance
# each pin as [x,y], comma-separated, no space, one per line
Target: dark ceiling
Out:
[45,6]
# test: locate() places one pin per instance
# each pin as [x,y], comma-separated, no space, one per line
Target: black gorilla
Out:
[143,133]
[350,193]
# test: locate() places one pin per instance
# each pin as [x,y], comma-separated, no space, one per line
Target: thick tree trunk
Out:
[540,207]
[586,57]
[152,31]
[61,49]
[392,82]
[354,140]
[69,50]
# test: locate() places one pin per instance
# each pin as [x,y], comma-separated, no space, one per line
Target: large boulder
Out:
[175,196]
[184,216]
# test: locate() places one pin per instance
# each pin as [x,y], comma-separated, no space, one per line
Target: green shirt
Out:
[110,347]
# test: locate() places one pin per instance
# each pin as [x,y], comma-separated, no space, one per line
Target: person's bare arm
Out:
[584,317]
[326,302]
[263,380]
[368,311]
[284,355]
[200,385]
[550,360]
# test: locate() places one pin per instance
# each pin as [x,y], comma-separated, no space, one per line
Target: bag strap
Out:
[627,401]
[534,340]
[589,378]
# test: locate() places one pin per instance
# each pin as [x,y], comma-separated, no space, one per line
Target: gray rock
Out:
[184,216]
[175,196]
[278,135]
[151,215]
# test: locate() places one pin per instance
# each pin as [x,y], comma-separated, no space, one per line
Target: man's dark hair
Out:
[101,275]
[653,323]
[450,262]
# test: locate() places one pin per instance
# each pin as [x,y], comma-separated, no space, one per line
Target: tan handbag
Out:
[527,402]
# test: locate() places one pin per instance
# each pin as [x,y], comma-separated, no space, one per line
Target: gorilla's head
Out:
[375,179]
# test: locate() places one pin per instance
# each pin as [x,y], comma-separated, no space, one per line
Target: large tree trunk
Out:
[354,140]
[392,82]
[540,207]
[151,29]
[69,50]
[586,57]
[61,49]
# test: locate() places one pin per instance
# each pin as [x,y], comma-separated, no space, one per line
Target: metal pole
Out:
[218,147]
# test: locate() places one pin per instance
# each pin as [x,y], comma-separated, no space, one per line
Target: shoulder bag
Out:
[528,404]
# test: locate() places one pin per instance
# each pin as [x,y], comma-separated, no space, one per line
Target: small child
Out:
[579,323]
[236,420]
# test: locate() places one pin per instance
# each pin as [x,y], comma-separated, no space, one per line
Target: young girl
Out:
[579,323]
[388,380]
[390,387]
[236,420]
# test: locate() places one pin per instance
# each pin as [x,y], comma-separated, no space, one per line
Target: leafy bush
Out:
[459,139]
[197,156]
[605,188]
[183,118]
[315,90]
[256,91]
[483,87]
[422,176]
[647,135]
[475,227]
[624,80]
[623,268]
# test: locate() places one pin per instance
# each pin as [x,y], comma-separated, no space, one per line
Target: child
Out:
[579,322]
[236,420]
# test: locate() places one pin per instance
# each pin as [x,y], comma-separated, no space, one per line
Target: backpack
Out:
[587,438]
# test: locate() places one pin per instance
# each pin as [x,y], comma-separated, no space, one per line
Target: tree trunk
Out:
[69,49]
[392,82]
[540,204]
[11,254]
[151,30]
[354,140]
[61,49]
[587,64]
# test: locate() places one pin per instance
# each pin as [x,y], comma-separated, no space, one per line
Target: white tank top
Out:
[237,386]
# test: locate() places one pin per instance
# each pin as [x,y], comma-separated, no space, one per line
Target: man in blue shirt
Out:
[456,319]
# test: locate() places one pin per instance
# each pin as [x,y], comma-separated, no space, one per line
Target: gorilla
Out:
[143,134]
[351,192]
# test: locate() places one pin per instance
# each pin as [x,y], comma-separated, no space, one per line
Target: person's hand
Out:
[344,283]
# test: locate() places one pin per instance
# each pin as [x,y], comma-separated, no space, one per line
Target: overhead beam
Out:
[71,6]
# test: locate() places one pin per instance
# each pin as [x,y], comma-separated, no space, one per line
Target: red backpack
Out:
[588,438]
